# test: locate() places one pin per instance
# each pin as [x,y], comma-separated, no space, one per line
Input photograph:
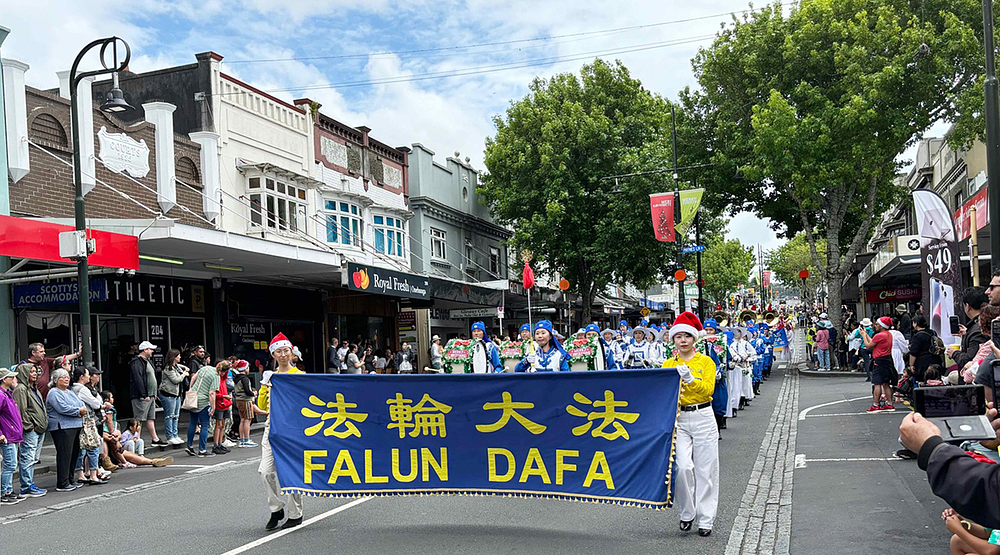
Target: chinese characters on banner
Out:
[662,207]
[586,436]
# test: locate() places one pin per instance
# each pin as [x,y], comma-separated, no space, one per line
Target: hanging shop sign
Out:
[123,154]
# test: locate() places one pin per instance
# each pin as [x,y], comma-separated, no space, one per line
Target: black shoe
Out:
[159,441]
[275,519]
[704,532]
[190,451]
[291,523]
[219,450]
[905,454]
[686,525]
[723,426]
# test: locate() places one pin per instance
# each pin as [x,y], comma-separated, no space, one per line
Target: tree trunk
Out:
[588,294]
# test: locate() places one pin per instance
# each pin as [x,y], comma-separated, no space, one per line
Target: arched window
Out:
[187,171]
[46,129]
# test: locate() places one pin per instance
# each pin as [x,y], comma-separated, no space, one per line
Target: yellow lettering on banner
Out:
[599,463]
[369,477]
[344,467]
[562,466]
[413,466]
[492,453]
[308,466]
[427,460]
[534,466]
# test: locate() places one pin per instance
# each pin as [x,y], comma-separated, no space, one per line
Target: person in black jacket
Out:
[974,298]
[967,485]
[142,389]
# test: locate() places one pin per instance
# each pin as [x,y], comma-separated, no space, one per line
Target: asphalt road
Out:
[767,503]
[219,507]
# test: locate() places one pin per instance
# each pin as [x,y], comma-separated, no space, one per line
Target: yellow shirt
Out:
[264,395]
[703,369]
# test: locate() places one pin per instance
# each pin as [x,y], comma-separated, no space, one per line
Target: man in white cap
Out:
[281,351]
[143,388]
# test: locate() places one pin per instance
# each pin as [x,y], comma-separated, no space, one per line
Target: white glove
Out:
[266,378]
[685,373]
[532,359]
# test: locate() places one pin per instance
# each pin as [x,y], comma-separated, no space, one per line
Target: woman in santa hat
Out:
[281,351]
[550,356]
[697,448]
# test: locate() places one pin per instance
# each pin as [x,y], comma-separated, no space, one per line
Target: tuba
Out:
[746,315]
[770,318]
[722,318]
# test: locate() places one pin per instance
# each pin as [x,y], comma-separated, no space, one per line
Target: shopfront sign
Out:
[28,295]
[892,295]
[461,313]
[370,279]
[963,221]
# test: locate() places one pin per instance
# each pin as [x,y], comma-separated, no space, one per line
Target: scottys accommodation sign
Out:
[386,282]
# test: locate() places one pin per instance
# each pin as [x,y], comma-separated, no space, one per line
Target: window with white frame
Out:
[470,271]
[388,235]
[439,239]
[276,205]
[495,261]
[342,222]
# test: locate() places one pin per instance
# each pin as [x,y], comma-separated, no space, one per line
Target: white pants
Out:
[748,384]
[735,389]
[270,476]
[697,479]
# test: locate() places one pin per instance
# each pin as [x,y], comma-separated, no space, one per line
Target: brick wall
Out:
[47,190]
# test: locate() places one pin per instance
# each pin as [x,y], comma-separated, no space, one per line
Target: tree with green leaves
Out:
[725,265]
[791,258]
[802,116]
[547,167]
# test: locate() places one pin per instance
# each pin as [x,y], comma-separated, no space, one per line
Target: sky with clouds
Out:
[379,63]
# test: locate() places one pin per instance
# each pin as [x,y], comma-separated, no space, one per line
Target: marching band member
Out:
[281,350]
[640,352]
[735,373]
[697,445]
[768,356]
[525,332]
[743,355]
[758,363]
[623,329]
[485,354]
[550,356]
[604,358]
[715,348]
[614,345]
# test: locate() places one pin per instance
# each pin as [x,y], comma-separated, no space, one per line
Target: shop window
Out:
[343,222]
[279,206]
[439,240]
[470,270]
[388,235]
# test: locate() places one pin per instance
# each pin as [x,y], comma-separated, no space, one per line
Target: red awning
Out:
[24,238]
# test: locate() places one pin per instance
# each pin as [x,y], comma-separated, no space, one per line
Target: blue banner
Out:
[586,436]
[27,295]
[780,338]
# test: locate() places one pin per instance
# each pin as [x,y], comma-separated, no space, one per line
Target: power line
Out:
[506,66]
[595,33]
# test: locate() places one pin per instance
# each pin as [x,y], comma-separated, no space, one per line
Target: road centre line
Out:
[802,415]
[317,518]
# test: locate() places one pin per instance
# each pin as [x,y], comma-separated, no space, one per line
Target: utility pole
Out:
[992,113]
[677,210]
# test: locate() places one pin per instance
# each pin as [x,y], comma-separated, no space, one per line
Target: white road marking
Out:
[802,415]
[852,413]
[801,460]
[317,518]
[210,467]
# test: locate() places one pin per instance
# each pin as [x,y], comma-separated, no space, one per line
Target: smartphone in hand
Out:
[953,322]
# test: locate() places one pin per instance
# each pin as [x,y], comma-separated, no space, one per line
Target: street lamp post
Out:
[115,103]
[992,112]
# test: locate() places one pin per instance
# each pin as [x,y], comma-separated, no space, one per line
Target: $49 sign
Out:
[940,262]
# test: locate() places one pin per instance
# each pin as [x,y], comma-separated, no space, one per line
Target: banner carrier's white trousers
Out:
[270,476]
[697,479]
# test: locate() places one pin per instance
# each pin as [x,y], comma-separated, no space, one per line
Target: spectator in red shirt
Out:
[883,368]
[223,409]
[45,364]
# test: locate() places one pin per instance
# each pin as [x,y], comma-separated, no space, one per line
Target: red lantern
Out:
[804,274]
[680,275]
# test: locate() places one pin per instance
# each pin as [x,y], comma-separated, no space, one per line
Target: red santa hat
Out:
[687,322]
[241,364]
[886,322]
[278,342]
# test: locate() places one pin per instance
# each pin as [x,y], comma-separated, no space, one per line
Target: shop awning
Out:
[189,251]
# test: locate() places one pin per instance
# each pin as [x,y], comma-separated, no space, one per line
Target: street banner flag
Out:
[528,277]
[662,207]
[941,273]
[690,201]
[605,437]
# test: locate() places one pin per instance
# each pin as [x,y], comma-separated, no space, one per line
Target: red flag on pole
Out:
[662,207]
[528,277]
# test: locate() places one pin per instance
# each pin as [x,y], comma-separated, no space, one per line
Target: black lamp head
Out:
[115,102]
